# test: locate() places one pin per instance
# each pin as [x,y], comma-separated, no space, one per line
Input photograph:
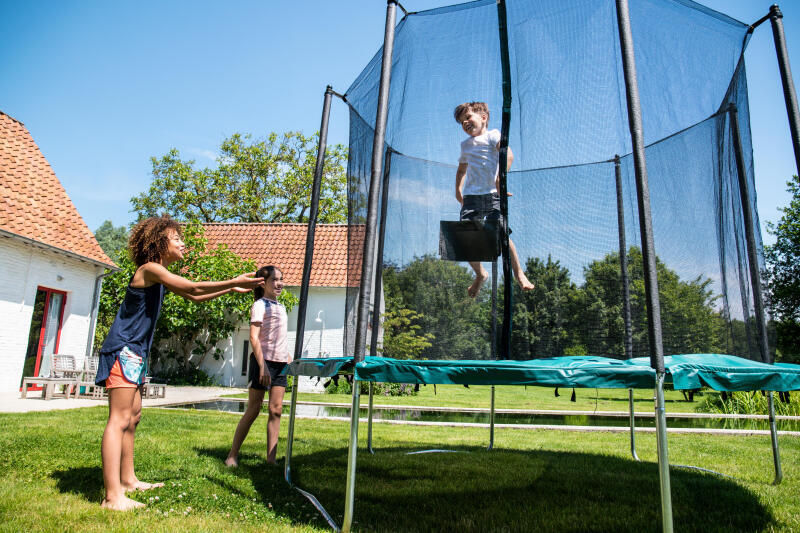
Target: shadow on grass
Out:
[86,481]
[512,490]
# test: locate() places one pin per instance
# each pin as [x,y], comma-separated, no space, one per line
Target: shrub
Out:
[750,403]
[378,389]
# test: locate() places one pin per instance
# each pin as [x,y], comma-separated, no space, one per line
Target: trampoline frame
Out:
[370,277]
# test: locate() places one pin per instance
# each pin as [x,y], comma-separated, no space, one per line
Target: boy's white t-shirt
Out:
[272,318]
[483,162]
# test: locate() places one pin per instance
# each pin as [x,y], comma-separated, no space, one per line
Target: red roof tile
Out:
[284,246]
[35,204]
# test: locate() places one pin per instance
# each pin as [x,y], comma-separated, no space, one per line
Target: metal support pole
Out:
[493,348]
[369,420]
[755,275]
[648,252]
[626,291]
[368,261]
[789,95]
[491,422]
[508,282]
[307,262]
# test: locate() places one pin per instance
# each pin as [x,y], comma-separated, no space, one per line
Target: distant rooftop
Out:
[283,245]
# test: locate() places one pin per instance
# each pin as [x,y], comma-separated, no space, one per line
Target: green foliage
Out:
[436,292]
[112,240]
[378,389]
[747,403]
[401,338]
[543,318]
[186,332]
[783,276]
[255,181]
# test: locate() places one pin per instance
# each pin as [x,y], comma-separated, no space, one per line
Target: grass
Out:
[518,397]
[50,478]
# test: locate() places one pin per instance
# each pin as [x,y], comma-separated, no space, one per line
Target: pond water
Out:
[426,415]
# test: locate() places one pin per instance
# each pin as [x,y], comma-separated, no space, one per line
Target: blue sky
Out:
[103,86]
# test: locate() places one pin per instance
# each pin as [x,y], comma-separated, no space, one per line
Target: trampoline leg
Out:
[287,469]
[663,455]
[491,422]
[773,431]
[350,490]
[633,425]
[369,421]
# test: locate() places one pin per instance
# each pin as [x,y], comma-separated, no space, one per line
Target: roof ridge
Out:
[12,118]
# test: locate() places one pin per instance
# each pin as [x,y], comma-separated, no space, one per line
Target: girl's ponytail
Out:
[266,273]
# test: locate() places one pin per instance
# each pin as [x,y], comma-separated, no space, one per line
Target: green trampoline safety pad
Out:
[687,371]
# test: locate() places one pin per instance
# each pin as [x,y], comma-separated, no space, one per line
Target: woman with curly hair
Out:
[155,243]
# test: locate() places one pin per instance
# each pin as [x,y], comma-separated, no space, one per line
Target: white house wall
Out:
[23,268]
[325,303]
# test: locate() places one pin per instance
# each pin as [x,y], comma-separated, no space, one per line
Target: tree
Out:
[401,337]
[543,318]
[783,275]
[689,320]
[112,240]
[186,331]
[436,292]
[255,181]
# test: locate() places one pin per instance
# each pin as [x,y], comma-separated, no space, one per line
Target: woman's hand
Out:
[247,281]
[263,376]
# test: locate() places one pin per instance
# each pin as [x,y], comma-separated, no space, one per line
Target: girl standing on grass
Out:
[268,325]
[155,243]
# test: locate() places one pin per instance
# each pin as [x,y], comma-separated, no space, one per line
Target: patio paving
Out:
[11,402]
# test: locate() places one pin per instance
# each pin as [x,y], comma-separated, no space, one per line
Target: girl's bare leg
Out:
[127,473]
[254,401]
[120,409]
[274,422]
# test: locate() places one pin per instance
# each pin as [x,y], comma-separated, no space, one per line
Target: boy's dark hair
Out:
[148,241]
[265,272]
[475,107]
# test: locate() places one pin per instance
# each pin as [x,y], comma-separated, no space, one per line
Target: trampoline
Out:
[633,208]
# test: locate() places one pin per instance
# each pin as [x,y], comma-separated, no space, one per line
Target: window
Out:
[245,356]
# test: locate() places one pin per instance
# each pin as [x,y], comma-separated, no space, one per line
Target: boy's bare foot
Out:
[122,503]
[475,288]
[142,485]
[524,283]
[231,462]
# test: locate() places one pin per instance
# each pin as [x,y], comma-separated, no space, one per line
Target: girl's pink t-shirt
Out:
[272,318]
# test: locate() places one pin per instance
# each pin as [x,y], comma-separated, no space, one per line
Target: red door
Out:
[45,331]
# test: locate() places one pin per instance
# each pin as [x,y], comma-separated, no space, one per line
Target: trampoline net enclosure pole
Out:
[307,263]
[368,261]
[789,94]
[626,291]
[755,277]
[508,283]
[376,305]
[648,254]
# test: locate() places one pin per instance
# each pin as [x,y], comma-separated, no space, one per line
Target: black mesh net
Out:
[570,139]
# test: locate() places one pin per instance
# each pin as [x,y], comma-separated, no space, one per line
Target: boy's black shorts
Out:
[482,207]
[274,369]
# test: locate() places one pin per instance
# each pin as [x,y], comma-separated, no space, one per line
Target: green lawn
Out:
[50,478]
[518,397]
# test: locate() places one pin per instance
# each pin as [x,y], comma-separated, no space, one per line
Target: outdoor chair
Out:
[63,378]
[86,387]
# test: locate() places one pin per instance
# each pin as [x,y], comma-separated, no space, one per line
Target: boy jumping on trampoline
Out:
[477,182]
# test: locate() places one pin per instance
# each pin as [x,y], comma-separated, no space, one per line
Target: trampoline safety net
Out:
[572,170]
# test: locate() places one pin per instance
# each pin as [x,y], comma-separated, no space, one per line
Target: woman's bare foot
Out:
[142,485]
[122,503]
[231,462]
[475,288]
